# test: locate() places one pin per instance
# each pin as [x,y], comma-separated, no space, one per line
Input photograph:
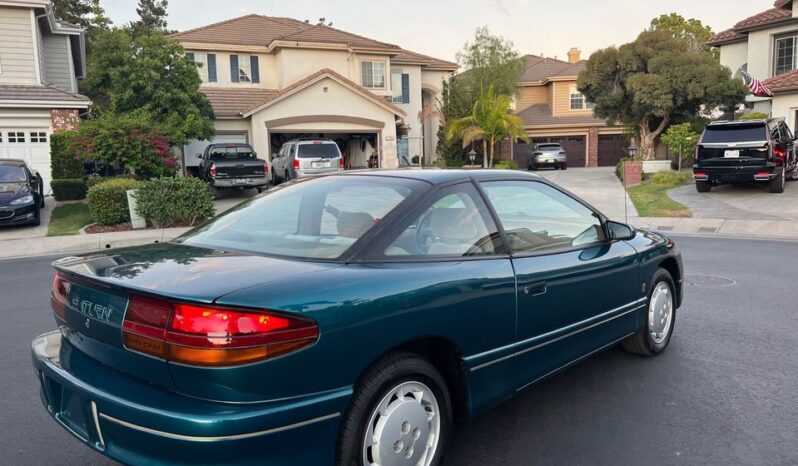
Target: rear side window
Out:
[550,147]
[233,152]
[731,133]
[318,151]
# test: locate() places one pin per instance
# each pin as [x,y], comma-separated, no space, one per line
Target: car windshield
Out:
[734,133]
[318,150]
[316,219]
[231,152]
[12,174]
[549,147]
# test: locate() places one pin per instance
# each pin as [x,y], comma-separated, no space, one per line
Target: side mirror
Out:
[199,156]
[620,231]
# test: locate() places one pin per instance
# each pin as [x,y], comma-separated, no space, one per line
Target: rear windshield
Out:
[232,152]
[549,147]
[316,219]
[731,133]
[318,151]
[12,174]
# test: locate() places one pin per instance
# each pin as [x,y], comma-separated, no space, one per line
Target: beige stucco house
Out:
[272,79]
[41,59]
[766,47]
[553,110]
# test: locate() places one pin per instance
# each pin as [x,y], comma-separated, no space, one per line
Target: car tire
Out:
[564,166]
[534,167]
[660,317]
[287,176]
[776,185]
[37,220]
[703,186]
[378,392]
[214,191]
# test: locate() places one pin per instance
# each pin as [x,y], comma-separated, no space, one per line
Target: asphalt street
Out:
[723,393]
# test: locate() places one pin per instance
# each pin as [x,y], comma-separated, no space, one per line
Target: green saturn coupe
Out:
[347,320]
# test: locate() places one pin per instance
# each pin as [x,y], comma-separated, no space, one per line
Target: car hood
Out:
[184,272]
[11,191]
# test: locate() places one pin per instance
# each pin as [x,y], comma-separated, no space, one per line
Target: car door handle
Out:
[535,289]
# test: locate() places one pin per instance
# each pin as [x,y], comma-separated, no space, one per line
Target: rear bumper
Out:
[246,182]
[547,160]
[315,172]
[732,174]
[135,423]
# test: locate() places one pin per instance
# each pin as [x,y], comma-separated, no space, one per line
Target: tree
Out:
[491,120]
[87,14]
[152,17]
[680,139]
[653,81]
[455,103]
[691,30]
[149,74]
[490,61]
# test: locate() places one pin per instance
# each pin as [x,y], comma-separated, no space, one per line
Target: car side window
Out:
[455,223]
[786,133]
[539,218]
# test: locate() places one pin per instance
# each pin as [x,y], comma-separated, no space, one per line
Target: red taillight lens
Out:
[341,162]
[59,295]
[212,336]
[212,170]
[780,153]
[296,164]
[265,168]
[700,174]
[763,174]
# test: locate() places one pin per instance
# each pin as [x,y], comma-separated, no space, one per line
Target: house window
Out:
[784,49]
[578,101]
[244,69]
[396,88]
[16,137]
[36,136]
[373,74]
[206,65]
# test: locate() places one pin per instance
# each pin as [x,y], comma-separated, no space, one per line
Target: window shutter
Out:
[253,64]
[234,68]
[212,67]
[190,56]
[405,88]
[366,76]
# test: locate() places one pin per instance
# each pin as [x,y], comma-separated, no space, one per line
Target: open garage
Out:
[574,147]
[359,149]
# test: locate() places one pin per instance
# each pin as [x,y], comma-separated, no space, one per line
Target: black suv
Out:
[745,151]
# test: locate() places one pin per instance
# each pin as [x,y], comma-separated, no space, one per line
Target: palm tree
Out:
[491,120]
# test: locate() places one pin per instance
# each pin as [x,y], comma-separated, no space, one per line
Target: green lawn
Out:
[68,219]
[651,198]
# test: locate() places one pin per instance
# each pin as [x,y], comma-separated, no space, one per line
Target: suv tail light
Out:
[212,171]
[58,297]
[780,153]
[296,164]
[341,162]
[212,335]
[265,168]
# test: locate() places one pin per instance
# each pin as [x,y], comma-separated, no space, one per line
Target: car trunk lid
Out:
[319,157]
[734,145]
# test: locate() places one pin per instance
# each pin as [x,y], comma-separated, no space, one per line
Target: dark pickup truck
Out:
[745,151]
[233,166]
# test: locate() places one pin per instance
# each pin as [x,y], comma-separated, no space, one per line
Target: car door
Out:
[277,163]
[576,290]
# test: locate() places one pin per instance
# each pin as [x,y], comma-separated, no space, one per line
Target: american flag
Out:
[756,86]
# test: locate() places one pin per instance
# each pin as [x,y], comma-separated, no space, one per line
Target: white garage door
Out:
[31,145]
[198,147]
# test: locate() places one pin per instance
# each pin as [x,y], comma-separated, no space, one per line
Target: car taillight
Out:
[780,153]
[296,164]
[341,162]
[60,292]
[212,335]
[212,171]
[265,167]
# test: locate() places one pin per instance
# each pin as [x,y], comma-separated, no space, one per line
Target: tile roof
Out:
[228,103]
[725,37]
[539,69]
[332,74]
[406,57]
[540,115]
[784,82]
[43,93]
[766,18]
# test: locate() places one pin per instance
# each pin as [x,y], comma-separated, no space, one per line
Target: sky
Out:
[441,27]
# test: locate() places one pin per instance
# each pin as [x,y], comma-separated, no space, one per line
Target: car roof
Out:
[13,162]
[440,176]
[744,122]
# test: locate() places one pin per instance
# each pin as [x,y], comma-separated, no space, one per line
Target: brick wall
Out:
[64,119]
[592,147]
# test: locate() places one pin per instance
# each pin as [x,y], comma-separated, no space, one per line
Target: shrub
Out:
[619,167]
[166,201]
[108,201]
[64,163]
[69,189]
[94,180]
[505,164]
[672,178]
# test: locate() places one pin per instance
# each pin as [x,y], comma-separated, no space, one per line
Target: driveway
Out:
[25,231]
[598,186]
[743,202]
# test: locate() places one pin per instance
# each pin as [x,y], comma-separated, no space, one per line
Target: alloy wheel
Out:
[660,312]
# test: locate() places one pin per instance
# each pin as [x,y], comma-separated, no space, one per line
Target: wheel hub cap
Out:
[660,312]
[404,428]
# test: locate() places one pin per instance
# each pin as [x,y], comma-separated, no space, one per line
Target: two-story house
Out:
[553,110]
[41,59]
[272,79]
[766,47]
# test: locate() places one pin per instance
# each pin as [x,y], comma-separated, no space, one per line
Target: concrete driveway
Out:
[598,186]
[744,202]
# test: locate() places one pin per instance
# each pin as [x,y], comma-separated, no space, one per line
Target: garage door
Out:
[611,148]
[574,148]
[28,144]
[198,147]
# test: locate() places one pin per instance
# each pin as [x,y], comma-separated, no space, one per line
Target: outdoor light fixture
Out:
[472,155]
[632,150]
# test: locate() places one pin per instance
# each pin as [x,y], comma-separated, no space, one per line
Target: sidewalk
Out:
[769,229]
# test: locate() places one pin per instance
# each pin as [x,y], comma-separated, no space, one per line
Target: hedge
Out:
[166,201]
[69,189]
[63,164]
[108,201]
[506,164]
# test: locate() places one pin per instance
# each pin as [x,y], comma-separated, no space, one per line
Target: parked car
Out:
[346,319]
[548,155]
[233,166]
[745,151]
[299,158]
[21,193]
